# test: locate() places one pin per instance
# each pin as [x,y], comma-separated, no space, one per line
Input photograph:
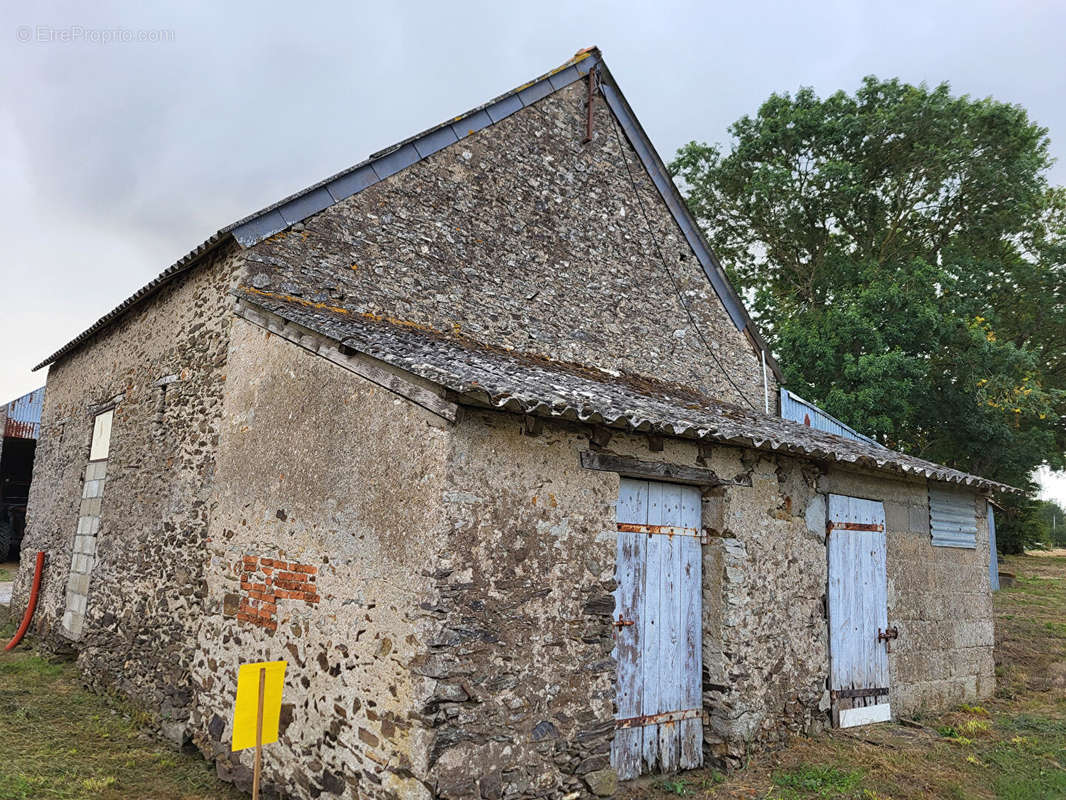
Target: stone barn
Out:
[478,438]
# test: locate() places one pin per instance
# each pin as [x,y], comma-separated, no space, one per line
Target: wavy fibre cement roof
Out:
[297,207]
[484,375]
[175,270]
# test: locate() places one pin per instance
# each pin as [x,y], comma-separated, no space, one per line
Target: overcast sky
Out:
[118,157]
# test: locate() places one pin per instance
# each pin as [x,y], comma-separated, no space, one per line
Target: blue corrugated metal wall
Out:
[993,564]
[797,409]
[24,416]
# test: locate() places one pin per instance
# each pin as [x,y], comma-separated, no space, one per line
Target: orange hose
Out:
[32,604]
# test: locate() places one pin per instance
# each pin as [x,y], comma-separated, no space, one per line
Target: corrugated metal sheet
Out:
[797,409]
[23,419]
[993,563]
[952,516]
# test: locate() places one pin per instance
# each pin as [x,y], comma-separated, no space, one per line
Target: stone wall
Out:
[498,679]
[442,593]
[766,658]
[526,609]
[766,650]
[525,634]
[146,586]
[938,597]
[325,529]
[522,236]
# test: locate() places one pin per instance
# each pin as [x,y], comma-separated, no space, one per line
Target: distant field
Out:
[1013,746]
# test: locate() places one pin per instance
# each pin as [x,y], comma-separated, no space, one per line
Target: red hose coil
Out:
[32,606]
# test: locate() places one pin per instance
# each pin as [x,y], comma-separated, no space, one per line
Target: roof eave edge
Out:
[175,270]
[480,398]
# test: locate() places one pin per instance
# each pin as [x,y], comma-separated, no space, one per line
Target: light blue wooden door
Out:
[658,608]
[858,611]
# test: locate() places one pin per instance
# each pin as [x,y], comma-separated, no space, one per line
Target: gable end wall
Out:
[520,235]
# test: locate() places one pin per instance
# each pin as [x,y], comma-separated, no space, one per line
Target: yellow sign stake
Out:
[257,712]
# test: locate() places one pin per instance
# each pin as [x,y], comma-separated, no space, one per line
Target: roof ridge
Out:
[245,235]
[387,162]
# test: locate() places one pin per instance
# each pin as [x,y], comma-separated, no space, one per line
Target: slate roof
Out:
[385,163]
[483,375]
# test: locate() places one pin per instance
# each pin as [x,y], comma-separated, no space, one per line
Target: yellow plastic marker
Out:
[257,710]
[251,706]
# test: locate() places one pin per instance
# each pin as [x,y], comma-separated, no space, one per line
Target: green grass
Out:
[1056,629]
[1028,764]
[677,786]
[813,780]
[692,783]
[59,741]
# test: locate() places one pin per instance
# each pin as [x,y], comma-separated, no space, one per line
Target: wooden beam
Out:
[650,470]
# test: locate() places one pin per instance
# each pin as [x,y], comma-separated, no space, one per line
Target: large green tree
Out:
[904,253]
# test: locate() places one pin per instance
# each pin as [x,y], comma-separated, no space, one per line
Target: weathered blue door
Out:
[658,608]
[858,611]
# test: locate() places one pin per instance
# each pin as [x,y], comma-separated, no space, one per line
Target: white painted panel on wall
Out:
[101,444]
[865,715]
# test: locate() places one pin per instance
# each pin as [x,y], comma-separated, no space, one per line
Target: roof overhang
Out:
[481,375]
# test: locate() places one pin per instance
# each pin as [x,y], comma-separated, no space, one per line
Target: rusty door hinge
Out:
[886,636]
[622,622]
[664,530]
[664,718]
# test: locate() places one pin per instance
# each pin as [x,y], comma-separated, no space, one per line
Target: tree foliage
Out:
[1030,523]
[1052,517]
[904,254]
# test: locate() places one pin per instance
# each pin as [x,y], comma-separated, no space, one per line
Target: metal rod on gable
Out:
[588,107]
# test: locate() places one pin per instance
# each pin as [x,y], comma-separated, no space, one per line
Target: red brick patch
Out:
[264,581]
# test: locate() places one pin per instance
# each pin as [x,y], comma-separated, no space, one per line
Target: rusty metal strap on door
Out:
[661,530]
[855,526]
[659,719]
[872,692]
